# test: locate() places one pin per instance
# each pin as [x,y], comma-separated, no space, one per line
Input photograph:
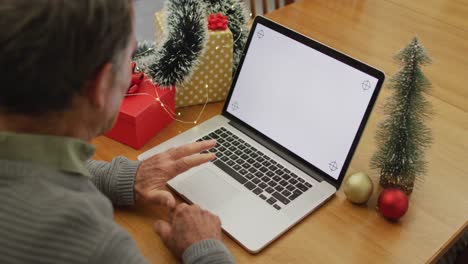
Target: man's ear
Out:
[97,89]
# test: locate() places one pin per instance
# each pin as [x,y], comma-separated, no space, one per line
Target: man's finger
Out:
[191,148]
[180,208]
[163,229]
[189,162]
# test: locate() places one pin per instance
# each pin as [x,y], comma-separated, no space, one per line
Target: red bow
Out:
[137,78]
[217,22]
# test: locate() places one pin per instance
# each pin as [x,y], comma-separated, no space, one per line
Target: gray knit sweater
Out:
[55,214]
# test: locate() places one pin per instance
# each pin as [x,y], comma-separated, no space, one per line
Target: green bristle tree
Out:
[403,136]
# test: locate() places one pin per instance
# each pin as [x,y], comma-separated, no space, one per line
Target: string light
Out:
[144,52]
[178,114]
[173,115]
[239,24]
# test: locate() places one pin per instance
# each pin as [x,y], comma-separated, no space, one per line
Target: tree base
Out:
[406,184]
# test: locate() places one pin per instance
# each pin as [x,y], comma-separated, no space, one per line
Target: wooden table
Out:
[339,232]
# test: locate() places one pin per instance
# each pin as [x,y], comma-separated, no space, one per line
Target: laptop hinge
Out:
[276,150]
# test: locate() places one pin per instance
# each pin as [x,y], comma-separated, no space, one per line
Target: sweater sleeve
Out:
[117,247]
[115,179]
[208,251]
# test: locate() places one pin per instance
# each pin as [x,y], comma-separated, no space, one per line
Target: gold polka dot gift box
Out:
[211,79]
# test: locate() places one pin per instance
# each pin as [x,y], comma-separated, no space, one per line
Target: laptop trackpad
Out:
[207,189]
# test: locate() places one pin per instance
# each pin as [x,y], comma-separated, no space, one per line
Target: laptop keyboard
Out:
[262,175]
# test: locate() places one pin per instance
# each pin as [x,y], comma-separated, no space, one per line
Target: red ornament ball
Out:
[392,203]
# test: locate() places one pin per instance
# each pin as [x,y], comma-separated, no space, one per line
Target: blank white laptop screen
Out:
[306,101]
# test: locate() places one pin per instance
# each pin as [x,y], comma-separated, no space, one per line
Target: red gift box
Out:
[141,116]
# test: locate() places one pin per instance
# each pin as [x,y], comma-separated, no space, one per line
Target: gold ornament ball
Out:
[358,188]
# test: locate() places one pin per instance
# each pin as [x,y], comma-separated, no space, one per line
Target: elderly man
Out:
[64,67]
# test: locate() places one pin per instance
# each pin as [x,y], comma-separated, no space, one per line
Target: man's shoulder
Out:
[54,219]
[51,196]
[49,185]
[61,232]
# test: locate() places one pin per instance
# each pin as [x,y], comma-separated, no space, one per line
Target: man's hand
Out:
[153,173]
[188,225]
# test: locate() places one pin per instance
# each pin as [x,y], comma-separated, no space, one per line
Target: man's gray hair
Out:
[50,49]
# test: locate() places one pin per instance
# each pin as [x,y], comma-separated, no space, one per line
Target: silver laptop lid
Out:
[309,101]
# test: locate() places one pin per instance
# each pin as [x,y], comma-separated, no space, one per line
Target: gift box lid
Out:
[135,104]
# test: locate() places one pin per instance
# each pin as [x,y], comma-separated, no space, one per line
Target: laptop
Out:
[288,130]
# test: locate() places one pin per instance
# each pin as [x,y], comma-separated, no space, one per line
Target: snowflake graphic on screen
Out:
[366,85]
[260,34]
[235,106]
[333,166]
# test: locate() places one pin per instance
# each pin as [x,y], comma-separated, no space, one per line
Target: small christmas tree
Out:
[403,136]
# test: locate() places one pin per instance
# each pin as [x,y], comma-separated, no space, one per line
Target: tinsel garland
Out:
[174,61]
[144,55]
[184,43]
